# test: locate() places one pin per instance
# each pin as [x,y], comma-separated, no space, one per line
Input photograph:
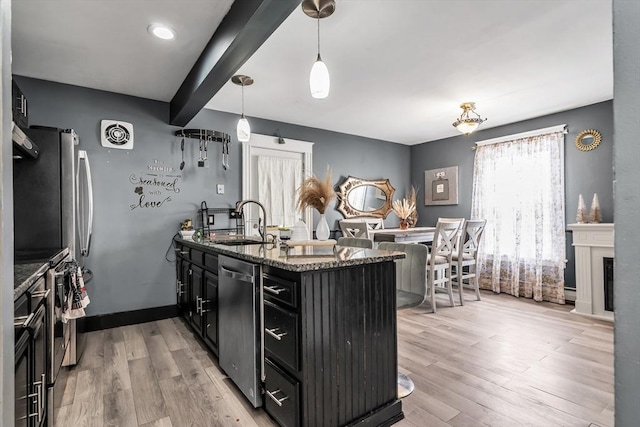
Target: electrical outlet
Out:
[220,189]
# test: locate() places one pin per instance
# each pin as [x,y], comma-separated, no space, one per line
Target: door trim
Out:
[267,142]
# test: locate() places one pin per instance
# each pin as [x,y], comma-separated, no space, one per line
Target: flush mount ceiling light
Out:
[319,81]
[467,124]
[161,31]
[243,129]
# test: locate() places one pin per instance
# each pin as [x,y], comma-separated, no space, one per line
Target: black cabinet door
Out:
[210,310]
[39,381]
[19,106]
[196,297]
[22,385]
[185,279]
[182,274]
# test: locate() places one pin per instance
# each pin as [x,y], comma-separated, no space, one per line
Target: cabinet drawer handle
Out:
[182,252]
[179,286]
[23,321]
[274,334]
[198,305]
[41,294]
[274,290]
[272,394]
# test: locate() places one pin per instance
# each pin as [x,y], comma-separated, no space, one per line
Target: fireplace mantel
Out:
[593,243]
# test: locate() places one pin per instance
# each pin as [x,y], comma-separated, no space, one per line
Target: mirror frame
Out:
[597,138]
[350,183]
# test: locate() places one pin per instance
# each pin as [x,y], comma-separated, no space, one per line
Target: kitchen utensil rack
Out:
[206,220]
[205,136]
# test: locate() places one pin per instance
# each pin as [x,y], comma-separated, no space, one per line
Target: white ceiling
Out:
[399,68]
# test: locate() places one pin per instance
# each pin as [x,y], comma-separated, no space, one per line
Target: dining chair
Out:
[439,263]
[466,256]
[355,242]
[358,229]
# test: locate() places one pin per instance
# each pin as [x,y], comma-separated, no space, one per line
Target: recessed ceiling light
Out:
[161,31]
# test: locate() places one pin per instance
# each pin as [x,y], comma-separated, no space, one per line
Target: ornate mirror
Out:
[360,197]
[588,140]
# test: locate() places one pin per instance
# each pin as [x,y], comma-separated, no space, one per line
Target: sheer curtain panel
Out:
[518,187]
[278,180]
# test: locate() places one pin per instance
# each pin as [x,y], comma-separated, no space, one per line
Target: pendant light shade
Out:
[319,80]
[243,129]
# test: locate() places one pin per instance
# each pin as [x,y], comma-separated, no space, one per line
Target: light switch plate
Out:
[220,189]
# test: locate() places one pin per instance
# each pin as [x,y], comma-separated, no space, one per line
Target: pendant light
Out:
[465,123]
[243,129]
[319,80]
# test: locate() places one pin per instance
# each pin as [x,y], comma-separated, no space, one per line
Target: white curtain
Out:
[278,180]
[518,187]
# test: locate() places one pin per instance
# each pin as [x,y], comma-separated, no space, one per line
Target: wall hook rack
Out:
[204,136]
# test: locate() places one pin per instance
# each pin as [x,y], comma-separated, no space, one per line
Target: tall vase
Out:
[322,231]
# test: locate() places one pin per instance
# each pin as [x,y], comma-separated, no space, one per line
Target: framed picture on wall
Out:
[441,186]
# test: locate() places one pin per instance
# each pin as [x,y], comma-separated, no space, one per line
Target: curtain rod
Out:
[543,131]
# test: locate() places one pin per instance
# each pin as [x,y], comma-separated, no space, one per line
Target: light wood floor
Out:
[501,361]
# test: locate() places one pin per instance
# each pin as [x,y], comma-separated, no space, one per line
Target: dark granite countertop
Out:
[299,259]
[24,275]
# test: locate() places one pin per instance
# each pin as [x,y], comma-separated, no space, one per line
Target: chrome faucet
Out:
[263,232]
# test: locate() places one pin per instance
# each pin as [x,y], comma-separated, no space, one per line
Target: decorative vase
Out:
[322,231]
[404,224]
[299,232]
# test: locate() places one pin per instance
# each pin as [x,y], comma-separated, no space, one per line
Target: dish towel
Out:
[77,298]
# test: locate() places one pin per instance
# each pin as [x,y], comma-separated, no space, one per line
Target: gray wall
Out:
[129,245]
[586,173]
[6,222]
[626,110]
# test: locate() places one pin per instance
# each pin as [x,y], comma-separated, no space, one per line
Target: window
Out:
[518,187]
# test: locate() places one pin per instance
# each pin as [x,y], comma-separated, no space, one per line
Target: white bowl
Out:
[187,234]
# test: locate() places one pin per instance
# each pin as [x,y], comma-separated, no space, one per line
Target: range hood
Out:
[23,147]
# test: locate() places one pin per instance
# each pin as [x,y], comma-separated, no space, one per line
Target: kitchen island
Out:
[325,330]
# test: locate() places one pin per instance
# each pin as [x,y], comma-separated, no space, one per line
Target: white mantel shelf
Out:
[592,243]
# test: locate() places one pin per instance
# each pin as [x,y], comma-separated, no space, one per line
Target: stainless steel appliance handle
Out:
[236,275]
[277,401]
[82,156]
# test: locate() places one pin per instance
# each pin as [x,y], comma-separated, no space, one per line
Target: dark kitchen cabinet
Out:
[194,287]
[330,346]
[19,106]
[210,309]
[22,383]
[197,292]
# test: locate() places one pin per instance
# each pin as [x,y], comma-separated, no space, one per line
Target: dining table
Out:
[398,235]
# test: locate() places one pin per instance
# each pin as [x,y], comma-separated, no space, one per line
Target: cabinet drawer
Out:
[281,334]
[182,251]
[197,256]
[211,262]
[282,396]
[280,289]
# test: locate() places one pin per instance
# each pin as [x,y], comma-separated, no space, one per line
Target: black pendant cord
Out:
[318,34]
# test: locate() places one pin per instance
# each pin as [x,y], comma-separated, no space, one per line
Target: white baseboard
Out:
[570,294]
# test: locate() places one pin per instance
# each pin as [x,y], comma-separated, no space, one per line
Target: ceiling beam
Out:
[242,31]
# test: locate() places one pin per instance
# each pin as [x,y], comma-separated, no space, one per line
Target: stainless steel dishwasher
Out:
[239,316]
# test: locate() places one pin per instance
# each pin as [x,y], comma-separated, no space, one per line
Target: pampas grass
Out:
[403,208]
[412,197]
[315,193]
